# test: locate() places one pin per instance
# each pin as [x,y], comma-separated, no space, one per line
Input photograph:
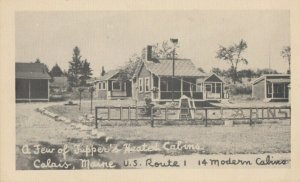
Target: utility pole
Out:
[174,41]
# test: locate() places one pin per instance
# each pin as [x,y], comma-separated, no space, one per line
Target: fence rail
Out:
[199,115]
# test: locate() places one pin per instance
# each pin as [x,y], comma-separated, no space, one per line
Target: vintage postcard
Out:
[157,91]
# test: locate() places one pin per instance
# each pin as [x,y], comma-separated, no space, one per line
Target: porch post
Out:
[106,84]
[221,90]
[29,89]
[266,96]
[272,89]
[284,90]
[203,91]
[48,90]
[181,86]
[151,80]
[159,90]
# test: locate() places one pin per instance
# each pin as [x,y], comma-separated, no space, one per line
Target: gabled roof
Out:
[207,76]
[108,75]
[164,67]
[267,75]
[31,71]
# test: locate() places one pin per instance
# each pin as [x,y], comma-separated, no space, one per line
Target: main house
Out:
[153,79]
[110,86]
[271,87]
[32,82]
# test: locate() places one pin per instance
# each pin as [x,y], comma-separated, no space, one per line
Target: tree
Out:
[86,72]
[103,71]
[159,51]
[80,90]
[246,73]
[56,71]
[201,70]
[286,54]
[217,71]
[233,56]
[128,70]
[163,50]
[37,60]
[260,72]
[92,90]
[75,68]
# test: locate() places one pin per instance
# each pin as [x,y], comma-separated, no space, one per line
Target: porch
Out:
[32,90]
[277,89]
[118,89]
[192,87]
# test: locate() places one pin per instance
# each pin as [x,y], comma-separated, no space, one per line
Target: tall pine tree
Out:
[56,71]
[86,72]
[75,68]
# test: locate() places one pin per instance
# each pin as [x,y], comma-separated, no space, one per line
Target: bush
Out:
[240,89]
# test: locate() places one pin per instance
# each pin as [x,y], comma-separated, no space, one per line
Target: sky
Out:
[109,38]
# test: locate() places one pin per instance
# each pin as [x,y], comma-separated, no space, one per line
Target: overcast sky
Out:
[109,38]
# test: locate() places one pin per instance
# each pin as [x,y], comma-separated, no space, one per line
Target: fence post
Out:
[152,118]
[166,113]
[121,112]
[290,115]
[96,118]
[205,117]
[136,113]
[108,114]
[250,117]
[129,113]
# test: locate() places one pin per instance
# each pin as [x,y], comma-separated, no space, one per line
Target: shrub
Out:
[240,89]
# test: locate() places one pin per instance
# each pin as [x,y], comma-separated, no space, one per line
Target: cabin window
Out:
[116,85]
[141,85]
[199,87]
[163,85]
[278,88]
[208,88]
[147,84]
[102,86]
[218,88]
[269,88]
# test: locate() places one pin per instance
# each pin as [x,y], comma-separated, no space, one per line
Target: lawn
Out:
[34,128]
[269,138]
[261,138]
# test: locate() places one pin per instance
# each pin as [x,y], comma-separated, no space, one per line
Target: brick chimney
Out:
[149,53]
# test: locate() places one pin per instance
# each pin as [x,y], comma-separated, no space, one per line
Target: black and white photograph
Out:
[157,89]
[129,92]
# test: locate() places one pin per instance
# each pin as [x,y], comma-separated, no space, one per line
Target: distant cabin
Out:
[32,82]
[59,84]
[111,87]
[271,87]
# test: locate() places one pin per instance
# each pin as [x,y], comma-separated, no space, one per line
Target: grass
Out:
[33,127]
[271,138]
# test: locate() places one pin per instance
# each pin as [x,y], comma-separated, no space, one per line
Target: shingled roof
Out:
[163,67]
[31,71]
[108,75]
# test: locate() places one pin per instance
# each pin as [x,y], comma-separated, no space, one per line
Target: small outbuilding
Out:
[109,86]
[32,82]
[59,84]
[271,87]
